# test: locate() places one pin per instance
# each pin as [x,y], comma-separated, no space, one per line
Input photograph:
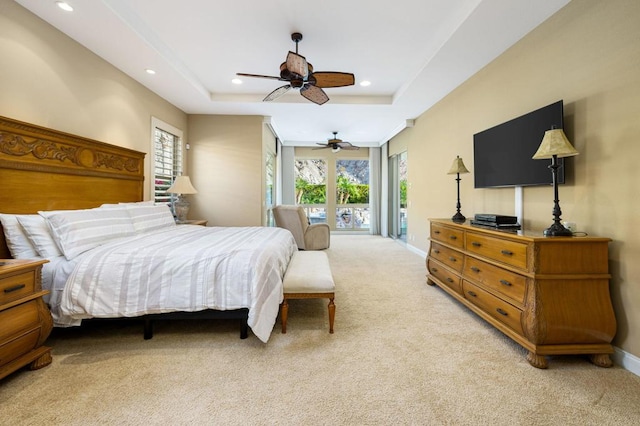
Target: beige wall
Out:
[50,80]
[588,54]
[226,164]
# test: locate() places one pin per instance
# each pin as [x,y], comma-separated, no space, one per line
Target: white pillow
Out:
[39,234]
[134,203]
[17,241]
[150,218]
[77,231]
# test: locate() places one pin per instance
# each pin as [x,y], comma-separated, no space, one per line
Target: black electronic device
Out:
[502,154]
[493,225]
[495,218]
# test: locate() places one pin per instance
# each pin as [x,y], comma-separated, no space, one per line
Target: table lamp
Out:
[456,168]
[555,145]
[181,186]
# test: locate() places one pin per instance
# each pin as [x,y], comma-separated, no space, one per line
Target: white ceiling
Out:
[414,52]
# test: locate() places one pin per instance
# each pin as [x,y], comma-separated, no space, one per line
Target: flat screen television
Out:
[502,154]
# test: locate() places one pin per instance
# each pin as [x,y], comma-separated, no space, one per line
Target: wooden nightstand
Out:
[25,320]
[202,222]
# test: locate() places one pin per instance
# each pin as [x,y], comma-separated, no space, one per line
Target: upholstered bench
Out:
[308,277]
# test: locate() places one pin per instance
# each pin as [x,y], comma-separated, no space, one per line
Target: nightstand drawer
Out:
[497,308]
[21,345]
[449,257]
[18,318]
[510,252]
[16,286]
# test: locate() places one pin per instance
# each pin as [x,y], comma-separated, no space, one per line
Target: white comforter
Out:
[184,268]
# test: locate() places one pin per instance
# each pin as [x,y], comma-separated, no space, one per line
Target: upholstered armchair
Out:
[308,236]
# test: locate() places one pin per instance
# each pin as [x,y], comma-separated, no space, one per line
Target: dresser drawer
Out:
[447,277]
[509,252]
[14,287]
[509,284]
[19,346]
[449,257]
[451,236]
[18,318]
[497,308]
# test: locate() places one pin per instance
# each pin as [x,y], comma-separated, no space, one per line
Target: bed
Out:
[121,257]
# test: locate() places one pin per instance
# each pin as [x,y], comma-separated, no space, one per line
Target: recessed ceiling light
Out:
[236,81]
[64,6]
[150,71]
[365,83]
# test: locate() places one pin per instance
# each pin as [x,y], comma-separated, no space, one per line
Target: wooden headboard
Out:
[44,169]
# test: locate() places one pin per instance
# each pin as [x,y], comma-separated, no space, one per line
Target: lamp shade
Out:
[457,166]
[555,142]
[182,185]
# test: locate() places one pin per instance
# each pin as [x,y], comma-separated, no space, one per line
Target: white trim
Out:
[156,123]
[626,360]
[416,250]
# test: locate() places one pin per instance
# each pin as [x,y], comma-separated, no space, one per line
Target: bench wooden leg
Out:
[284,312]
[332,314]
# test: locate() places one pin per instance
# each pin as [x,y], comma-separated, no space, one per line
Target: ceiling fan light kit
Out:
[299,74]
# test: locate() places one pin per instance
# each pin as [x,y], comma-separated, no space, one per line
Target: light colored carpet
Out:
[402,353]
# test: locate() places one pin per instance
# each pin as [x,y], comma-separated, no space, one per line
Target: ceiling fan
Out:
[299,75]
[337,144]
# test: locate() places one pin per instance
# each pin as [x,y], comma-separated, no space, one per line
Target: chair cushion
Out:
[309,272]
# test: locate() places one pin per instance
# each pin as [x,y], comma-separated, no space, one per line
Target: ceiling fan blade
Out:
[297,64]
[349,147]
[321,147]
[277,93]
[314,94]
[332,79]
[259,76]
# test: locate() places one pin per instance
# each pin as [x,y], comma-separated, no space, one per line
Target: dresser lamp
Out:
[456,168]
[181,186]
[555,145]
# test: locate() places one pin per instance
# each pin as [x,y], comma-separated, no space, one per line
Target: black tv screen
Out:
[502,154]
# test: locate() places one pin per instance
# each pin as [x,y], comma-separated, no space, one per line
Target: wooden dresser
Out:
[25,321]
[549,294]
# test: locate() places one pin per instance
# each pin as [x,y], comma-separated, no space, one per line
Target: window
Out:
[167,159]
[311,188]
[352,194]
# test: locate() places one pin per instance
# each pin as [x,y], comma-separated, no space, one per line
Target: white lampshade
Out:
[555,142]
[182,185]
[457,167]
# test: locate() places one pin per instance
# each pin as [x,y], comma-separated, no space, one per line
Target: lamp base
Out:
[557,230]
[458,218]
[181,207]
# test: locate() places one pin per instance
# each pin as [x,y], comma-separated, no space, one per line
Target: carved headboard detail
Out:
[45,169]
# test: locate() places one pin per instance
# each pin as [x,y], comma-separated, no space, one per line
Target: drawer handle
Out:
[434,269]
[451,258]
[501,312]
[14,288]
[507,252]
[449,279]
[436,232]
[471,293]
[476,244]
[475,269]
[453,237]
[436,251]
[505,282]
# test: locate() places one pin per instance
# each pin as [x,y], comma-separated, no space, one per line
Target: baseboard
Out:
[417,251]
[626,360]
